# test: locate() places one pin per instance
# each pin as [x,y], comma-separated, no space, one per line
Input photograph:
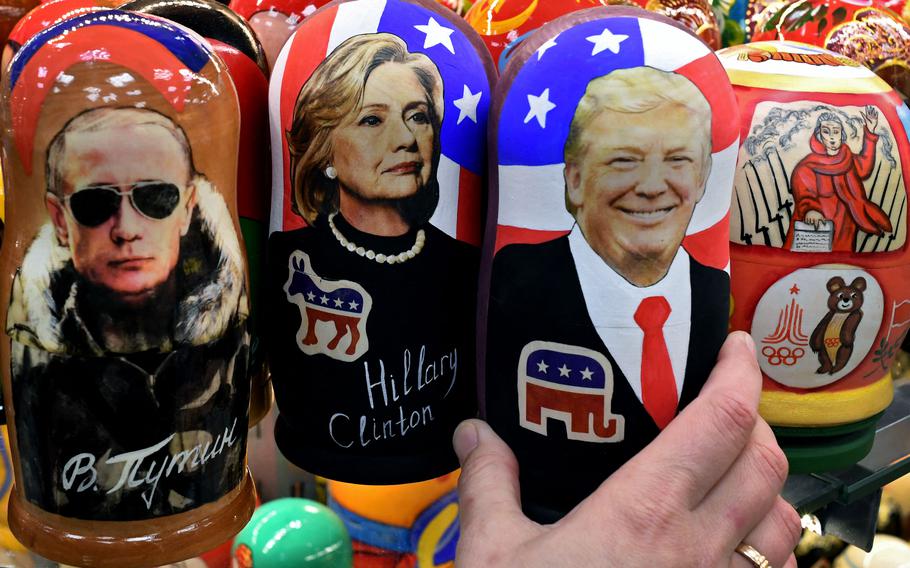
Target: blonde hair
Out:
[332,95]
[635,90]
[98,119]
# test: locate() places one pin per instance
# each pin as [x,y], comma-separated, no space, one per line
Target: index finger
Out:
[698,447]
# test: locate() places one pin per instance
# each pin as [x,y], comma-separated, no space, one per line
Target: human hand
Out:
[814,218]
[870,116]
[710,481]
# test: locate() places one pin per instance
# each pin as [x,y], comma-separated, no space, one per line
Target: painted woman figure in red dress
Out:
[827,184]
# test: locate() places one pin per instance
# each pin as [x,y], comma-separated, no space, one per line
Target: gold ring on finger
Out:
[754,556]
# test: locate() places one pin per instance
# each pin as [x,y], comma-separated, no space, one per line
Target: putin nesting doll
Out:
[378,122]
[614,145]
[819,243]
[125,294]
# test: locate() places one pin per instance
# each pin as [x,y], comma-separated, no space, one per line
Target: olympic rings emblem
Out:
[782,355]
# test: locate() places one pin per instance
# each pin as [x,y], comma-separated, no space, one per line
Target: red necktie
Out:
[658,386]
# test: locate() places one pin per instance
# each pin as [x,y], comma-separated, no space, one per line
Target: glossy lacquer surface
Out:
[608,296]
[378,120]
[127,314]
[819,233]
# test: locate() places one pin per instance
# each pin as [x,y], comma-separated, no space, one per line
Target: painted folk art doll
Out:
[608,298]
[867,32]
[819,243]
[379,131]
[126,294]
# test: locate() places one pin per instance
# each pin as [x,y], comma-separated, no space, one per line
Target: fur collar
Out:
[213,302]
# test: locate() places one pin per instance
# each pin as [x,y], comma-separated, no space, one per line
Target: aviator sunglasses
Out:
[92,205]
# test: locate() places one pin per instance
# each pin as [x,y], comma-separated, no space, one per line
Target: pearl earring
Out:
[331,172]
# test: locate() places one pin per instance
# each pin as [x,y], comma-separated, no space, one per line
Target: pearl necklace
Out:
[380,258]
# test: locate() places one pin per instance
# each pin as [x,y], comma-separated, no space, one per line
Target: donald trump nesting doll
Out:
[608,300]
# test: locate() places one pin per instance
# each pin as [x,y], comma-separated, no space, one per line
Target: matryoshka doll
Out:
[615,141]
[502,23]
[12,11]
[126,294]
[378,122]
[819,243]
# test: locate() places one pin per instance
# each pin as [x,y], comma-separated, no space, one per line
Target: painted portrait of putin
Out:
[127,316]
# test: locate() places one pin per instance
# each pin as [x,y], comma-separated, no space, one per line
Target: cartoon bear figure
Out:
[833,337]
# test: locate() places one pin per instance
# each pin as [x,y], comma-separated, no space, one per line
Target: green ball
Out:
[293,532]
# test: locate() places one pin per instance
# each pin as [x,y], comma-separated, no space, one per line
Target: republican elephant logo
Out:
[571,384]
[333,312]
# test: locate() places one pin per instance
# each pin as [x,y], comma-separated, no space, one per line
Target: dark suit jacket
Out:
[536,295]
[426,304]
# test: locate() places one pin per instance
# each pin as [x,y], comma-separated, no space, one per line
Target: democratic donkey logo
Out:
[571,384]
[333,312]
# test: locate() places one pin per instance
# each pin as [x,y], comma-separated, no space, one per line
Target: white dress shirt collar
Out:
[612,301]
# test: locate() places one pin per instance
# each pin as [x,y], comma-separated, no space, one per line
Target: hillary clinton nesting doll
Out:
[378,120]
[614,145]
[125,295]
[819,233]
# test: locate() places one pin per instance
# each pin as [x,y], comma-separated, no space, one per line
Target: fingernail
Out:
[747,339]
[465,440]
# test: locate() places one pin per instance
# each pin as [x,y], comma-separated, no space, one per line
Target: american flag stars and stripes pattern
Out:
[540,103]
[466,92]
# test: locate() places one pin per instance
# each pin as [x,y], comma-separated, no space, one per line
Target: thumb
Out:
[488,486]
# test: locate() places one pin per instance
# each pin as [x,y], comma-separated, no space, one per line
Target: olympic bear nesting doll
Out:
[378,117]
[125,294]
[415,524]
[614,145]
[819,233]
